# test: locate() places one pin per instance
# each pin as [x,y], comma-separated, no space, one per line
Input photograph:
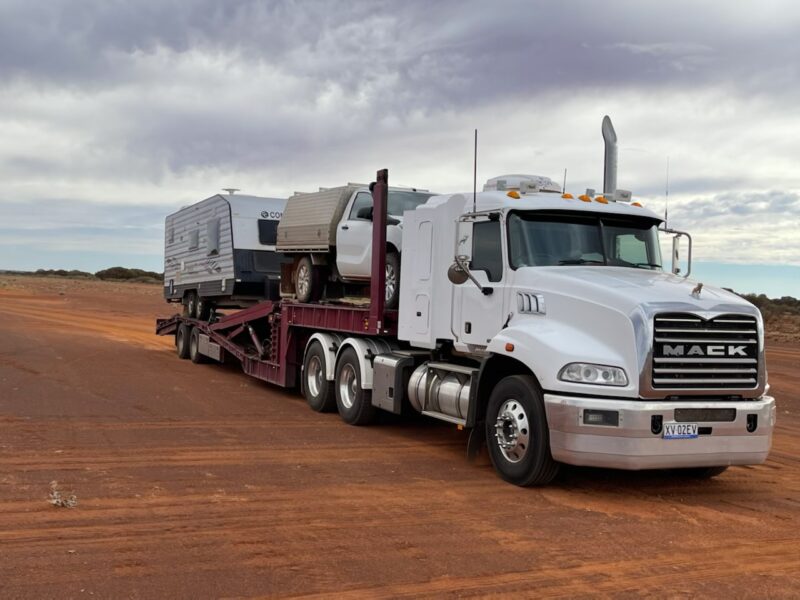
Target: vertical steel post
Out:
[377,285]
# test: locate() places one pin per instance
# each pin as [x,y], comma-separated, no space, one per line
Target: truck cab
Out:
[631,366]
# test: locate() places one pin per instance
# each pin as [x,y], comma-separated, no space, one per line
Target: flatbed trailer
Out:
[272,339]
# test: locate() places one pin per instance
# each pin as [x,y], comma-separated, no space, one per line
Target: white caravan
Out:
[221,252]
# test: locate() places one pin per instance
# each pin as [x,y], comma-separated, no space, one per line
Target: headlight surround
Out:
[593,374]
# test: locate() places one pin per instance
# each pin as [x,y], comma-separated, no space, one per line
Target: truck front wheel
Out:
[354,403]
[517,434]
[318,390]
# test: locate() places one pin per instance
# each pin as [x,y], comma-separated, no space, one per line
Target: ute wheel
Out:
[704,472]
[190,307]
[318,390]
[307,282]
[354,403]
[517,434]
[392,280]
[182,340]
[194,347]
[203,308]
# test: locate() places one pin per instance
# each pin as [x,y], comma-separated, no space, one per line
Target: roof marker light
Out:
[585,198]
[636,204]
[567,196]
[513,194]
[601,200]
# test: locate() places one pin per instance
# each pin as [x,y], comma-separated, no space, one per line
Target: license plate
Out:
[680,431]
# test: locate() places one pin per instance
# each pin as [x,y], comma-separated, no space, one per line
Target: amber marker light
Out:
[601,200]
[509,347]
[567,196]
[513,194]
[584,197]
[636,204]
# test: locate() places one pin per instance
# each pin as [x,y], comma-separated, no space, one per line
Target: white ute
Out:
[329,233]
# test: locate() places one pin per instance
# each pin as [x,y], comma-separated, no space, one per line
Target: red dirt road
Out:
[196,481]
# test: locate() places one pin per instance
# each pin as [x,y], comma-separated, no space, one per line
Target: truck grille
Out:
[697,353]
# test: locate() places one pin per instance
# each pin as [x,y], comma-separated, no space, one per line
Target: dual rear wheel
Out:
[345,392]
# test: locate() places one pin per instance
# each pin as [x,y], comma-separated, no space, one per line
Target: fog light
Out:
[609,418]
[752,423]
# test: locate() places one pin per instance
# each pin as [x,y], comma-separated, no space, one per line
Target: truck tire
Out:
[203,308]
[307,281]
[516,432]
[354,403]
[194,347]
[317,389]
[182,340]
[392,280]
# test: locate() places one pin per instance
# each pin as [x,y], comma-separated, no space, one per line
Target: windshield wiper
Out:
[654,265]
[580,261]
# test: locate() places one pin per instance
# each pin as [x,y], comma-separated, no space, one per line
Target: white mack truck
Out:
[542,323]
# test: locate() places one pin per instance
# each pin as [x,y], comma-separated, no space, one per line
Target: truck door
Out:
[354,239]
[478,316]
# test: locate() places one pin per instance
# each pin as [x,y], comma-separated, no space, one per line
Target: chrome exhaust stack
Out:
[610,159]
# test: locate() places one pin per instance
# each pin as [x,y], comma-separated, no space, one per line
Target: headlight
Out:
[594,374]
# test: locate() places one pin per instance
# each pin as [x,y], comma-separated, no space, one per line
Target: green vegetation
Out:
[112,274]
[769,307]
[123,274]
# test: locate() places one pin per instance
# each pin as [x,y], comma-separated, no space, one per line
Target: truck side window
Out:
[363,200]
[194,239]
[267,232]
[487,253]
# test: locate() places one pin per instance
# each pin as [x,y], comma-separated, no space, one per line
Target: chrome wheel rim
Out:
[303,280]
[348,385]
[512,431]
[314,376]
[391,281]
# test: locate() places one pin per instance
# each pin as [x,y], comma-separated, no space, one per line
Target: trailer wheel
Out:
[203,308]
[318,390]
[517,434]
[307,281]
[182,340]
[354,403]
[392,280]
[191,305]
[194,347]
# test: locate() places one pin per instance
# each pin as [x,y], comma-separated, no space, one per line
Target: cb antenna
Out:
[666,194]
[564,186]
[475,175]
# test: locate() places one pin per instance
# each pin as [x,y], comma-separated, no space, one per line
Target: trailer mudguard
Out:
[365,349]
[330,343]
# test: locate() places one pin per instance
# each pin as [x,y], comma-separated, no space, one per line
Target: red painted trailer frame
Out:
[269,338]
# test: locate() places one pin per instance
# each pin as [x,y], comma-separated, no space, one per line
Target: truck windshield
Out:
[399,202]
[538,239]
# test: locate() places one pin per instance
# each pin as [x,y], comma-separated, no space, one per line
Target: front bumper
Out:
[632,445]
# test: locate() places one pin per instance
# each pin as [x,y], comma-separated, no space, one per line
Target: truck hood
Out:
[628,288]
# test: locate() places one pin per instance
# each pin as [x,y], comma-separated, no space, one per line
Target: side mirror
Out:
[676,243]
[390,220]
[456,274]
[365,213]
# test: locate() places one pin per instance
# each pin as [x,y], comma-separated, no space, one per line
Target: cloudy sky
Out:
[115,113]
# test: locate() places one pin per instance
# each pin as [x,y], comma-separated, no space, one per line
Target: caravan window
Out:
[194,239]
[212,237]
[267,232]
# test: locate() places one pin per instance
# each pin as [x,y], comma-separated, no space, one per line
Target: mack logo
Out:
[695,350]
